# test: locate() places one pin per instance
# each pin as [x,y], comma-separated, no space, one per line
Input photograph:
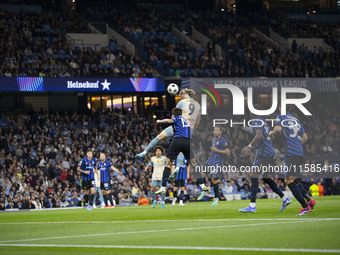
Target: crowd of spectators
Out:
[35,44]
[246,55]
[39,160]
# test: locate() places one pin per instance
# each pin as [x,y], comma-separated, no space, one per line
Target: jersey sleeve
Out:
[302,129]
[151,163]
[109,163]
[82,164]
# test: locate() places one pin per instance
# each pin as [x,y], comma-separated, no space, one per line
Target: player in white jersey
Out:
[158,163]
[190,110]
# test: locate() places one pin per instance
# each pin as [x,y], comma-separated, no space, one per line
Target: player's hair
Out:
[219,128]
[89,150]
[177,111]
[190,92]
[102,153]
[158,147]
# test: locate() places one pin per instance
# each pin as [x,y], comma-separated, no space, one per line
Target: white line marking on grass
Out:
[177,248]
[155,221]
[151,231]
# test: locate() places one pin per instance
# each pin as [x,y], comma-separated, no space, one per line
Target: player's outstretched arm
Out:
[164,121]
[115,169]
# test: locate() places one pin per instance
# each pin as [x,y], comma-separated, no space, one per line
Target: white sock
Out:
[181,202]
[284,198]
[253,205]
[202,186]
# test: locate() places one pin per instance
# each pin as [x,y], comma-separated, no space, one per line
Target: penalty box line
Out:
[153,231]
[251,249]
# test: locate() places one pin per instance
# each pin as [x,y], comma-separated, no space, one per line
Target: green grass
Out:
[196,225]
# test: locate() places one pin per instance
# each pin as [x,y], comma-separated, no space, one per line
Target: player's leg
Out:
[285,200]
[94,198]
[165,177]
[86,196]
[214,182]
[172,153]
[101,198]
[104,192]
[253,192]
[201,183]
[153,195]
[181,194]
[310,201]
[175,193]
[166,133]
[298,195]
[179,162]
[291,163]
[92,191]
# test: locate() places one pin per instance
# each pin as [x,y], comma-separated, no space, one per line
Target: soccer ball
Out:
[172,89]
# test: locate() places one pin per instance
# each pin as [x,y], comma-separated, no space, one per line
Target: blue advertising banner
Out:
[33,84]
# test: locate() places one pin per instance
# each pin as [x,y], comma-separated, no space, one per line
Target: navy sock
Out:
[86,199]
[111,198]
[166,175]
[106,199]
[253,189]
[272,184]
[216,191]
[297,194]
[304,192]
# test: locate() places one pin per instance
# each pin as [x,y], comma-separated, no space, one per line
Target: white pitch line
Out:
[150,231]
[155,221]
[177,248]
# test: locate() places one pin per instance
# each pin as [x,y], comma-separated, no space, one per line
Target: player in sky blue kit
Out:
[157,162]
[218,151]
[86,166]
[294,136]
[180,143]
[180,181]
[264,157]
[105,166]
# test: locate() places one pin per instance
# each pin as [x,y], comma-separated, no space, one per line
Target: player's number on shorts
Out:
[191,108]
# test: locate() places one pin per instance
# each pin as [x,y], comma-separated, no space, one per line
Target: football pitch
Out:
[194,229]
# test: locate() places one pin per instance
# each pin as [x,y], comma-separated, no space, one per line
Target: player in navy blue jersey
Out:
[264,157]
[180,143]
[86,166]
[105,166]
[218,151]
[294,136]
[181,180]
